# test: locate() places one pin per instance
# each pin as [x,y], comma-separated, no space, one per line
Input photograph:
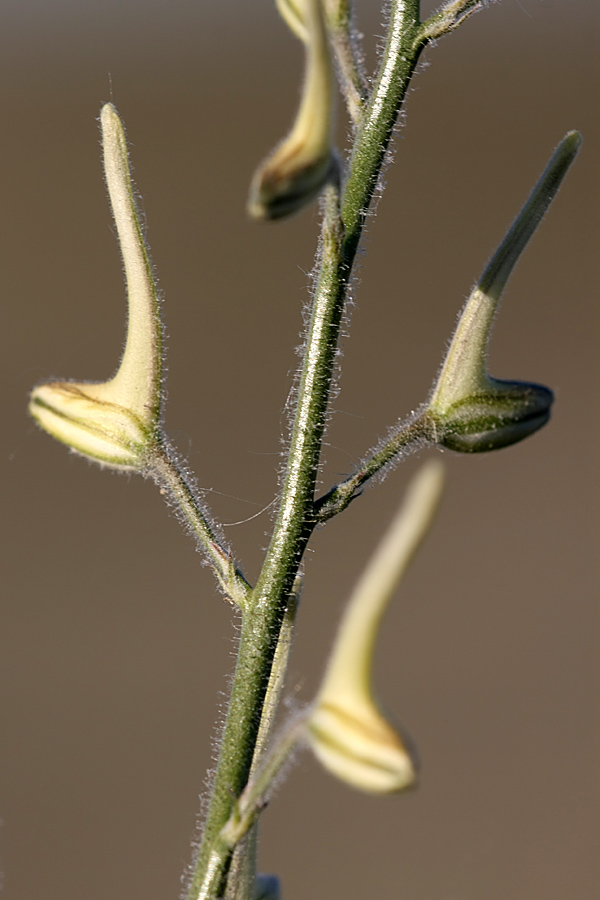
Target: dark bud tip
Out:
[493,419]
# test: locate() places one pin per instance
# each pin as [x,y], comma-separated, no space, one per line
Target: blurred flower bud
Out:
[469,411]
[303,163]
[336,12]
[359,747]
[346,729]
[266,887]
[115,423]
[293,12]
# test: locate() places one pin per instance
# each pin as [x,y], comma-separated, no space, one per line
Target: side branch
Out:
[353,83]
[410,436]
[175,484]
[448,18]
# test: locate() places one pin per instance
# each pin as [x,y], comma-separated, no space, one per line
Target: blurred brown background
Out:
[114,648]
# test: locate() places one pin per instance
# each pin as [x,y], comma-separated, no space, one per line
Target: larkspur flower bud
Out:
[303,163]
[507,413]
[346,729]
[468,410]
[117,422]
[82,417]
[359,747]
[267,887]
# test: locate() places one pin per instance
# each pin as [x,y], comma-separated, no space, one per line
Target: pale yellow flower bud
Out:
[81,417]
[115,423]
[302,164]
[346,729]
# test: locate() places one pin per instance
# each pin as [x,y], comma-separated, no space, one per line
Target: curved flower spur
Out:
[116,423]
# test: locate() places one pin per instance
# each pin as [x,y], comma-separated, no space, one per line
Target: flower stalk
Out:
[118,423]
[343,221]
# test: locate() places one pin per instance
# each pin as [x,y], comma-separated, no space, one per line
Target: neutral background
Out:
[115,650]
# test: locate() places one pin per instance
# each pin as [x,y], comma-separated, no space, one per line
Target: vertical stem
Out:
[396,68]
[266,607]
[296,518]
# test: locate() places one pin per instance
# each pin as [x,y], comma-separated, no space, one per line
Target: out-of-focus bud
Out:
[293,12]
[336,12]
[358,746]
[266,887]
[346,729]
[115,423]
[469,411]
[303,163]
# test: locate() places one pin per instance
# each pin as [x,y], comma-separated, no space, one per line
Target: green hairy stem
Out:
[298,514]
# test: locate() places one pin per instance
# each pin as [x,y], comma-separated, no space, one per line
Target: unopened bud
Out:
[359,747]
[266,887]
[346,729]
[117,422]
[504,415]
[303,163]
[469,411]
[76,415]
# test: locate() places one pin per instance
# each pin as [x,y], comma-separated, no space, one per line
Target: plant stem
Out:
[295,522]
[297,516]
[397,65]
[258,790]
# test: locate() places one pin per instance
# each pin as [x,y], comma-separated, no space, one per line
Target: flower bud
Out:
[509,412]
[303,163]
[266,887]
[346,729]
[359,747]
[117,422]
[79,416]
[468,410]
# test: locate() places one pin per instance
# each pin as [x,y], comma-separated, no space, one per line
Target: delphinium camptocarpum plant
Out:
[119,424]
